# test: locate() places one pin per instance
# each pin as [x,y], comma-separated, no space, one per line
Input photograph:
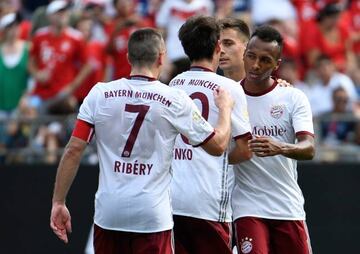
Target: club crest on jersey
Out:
[65,46]
[246,245]
[277,111]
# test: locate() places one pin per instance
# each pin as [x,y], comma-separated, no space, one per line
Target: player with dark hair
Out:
[136,121]
[267,201]
[202,184]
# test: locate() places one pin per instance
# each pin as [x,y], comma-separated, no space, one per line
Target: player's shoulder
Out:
[294,94]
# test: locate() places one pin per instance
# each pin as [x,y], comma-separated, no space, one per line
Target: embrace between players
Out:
[244,173]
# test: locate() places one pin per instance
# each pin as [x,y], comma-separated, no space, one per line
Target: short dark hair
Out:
[198,36]
[323,58]
[267,33]
[236,24]
[144,47]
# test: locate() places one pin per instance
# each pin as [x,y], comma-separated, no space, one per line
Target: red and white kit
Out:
[202,183]
[266,187]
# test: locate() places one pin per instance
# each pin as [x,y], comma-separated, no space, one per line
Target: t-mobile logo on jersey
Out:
[272,130]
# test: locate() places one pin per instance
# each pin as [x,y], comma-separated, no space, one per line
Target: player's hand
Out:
[60,221]
[42,76]
[263,146]
[223,99]
[283,83]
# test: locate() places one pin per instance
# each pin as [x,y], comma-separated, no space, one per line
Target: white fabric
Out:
[174,13]
[267,187]
[132,199]
[202,183]
[56,6]
[264,10]
[320,95]
[7,20]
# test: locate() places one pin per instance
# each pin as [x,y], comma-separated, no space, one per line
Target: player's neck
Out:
[234,75]
[258,86]
[207,64]
[143,71]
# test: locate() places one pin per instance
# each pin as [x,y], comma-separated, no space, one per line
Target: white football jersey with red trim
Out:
[136,123]
[267,187]
[202,184]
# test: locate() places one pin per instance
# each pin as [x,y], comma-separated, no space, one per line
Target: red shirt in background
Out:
[121,65]
[96,56]
[61,55]
[335,50]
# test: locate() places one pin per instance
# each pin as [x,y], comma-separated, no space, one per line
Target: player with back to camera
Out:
[136,121]
[202,184]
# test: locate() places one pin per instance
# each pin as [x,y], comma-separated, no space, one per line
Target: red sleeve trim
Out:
[304,133]
[247,135]
[206,140]
[83,130]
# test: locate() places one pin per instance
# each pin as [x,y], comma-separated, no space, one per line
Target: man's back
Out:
[202,183]
[136,123]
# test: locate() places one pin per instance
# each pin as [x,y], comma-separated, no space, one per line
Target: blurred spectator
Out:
[100,28]
[327,36]
[95,55]
[320,95]
[126,21]
[56,54]
[338,125]
[172,14]
[11,6]
[288,71]
[14,54]
[263,11]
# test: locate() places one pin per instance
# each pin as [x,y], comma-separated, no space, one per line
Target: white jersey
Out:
[171,16]
[267,187]
[202,183]
[136,123]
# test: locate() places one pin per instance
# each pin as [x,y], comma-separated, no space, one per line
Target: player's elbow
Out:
[214,148]
[310,154]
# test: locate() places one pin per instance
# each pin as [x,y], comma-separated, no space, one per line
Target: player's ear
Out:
[127,57]
[218,47]
[278,62]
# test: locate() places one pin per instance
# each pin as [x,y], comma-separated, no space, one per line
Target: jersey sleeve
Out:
[88,107]
[187,119]
[240,122]
[301,114]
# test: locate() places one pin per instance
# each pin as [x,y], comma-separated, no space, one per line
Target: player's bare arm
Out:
[241,152]
[60,220]
[264,146]
[219,142]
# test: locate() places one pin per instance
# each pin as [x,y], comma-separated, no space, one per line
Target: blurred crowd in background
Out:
[53,52]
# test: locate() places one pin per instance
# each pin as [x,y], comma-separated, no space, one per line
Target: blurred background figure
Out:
[172,14]
[329,78]
[328,37]
[125,22]
[338,125]
[57,53]
[14,54]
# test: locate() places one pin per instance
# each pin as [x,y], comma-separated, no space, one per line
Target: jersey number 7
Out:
[141,110]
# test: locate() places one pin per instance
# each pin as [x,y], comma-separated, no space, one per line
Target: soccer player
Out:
[202,183]
[267,202]
[136,121]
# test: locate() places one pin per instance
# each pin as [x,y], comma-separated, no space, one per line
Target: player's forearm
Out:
[223,128]
[67,170]
[303,150]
